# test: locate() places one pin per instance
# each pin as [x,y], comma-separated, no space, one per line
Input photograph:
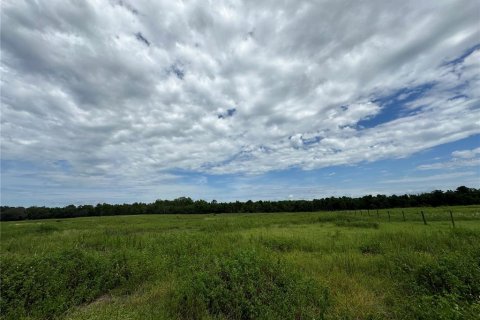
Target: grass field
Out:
[325,265]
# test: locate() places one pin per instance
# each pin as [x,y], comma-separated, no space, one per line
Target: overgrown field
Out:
[325,265]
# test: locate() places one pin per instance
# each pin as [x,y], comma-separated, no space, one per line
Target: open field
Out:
[325,265]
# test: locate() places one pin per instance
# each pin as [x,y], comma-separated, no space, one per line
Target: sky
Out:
[125,101]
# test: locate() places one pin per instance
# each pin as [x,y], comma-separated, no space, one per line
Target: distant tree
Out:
[461,196]
[463,189]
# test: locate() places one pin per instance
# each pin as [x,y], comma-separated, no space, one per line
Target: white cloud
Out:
[438,177]
[460,159]
[466,154]
[450,164]
[78,83]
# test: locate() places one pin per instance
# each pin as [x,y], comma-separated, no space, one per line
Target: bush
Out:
[248,285]
[455,275]
[444,307]
[45,286]
[447,288]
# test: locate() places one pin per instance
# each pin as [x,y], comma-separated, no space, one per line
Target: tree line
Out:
[184,205]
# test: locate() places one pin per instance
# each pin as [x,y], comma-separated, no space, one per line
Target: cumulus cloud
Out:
[132,90]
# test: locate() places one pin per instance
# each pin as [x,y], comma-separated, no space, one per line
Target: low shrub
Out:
[455,275]
[248,285]
[443,307]
[445,288]
[44,286]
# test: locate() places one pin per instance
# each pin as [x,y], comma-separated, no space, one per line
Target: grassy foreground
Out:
[340,265]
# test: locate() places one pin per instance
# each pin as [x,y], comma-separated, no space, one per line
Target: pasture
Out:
[321,265]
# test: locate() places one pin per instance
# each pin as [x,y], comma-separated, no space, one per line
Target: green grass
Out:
[325,265]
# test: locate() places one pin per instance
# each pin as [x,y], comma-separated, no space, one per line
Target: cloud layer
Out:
[129,92]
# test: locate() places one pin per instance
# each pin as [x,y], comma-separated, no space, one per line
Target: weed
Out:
[357,224]
[281,244]
[371,248]
[445,288]
[46,228]
[44,286]
[457,275]
[249,285]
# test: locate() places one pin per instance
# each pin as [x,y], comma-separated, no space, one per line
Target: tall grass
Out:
[327,265]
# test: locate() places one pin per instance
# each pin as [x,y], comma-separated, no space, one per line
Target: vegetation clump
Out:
[249,285]
[46,285]
[371,248]
[46,228]
[357,224]
[445,288]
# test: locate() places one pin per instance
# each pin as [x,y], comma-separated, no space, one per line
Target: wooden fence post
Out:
[451,217]
[403,214]
[423,217]
[388,215]
[378,214]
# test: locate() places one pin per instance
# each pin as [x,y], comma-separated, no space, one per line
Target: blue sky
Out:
[135,101]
